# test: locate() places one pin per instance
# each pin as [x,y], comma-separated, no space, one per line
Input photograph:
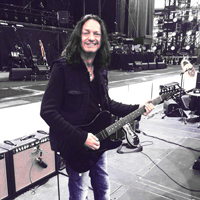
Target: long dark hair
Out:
[73,49]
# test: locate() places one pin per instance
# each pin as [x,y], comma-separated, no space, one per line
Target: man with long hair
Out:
[76,96]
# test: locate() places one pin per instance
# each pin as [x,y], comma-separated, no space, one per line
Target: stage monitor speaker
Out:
[42,69]
[144,66]
[196,165]
[137,65]
[172,109]
[5,189]
[32,160]
[20,74]
[152,65]
[161,65]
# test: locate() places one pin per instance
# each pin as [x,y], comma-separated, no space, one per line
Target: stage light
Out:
[20,25]
[41,5]
[189,33]
[35,20]
[173,48]
[4,23]
[174,34]
[177,19]
[191,18]
[154,48]
[187,47]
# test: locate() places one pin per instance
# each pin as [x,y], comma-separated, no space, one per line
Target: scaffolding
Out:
[177,31]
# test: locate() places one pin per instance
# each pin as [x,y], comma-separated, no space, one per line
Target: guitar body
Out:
[81,160]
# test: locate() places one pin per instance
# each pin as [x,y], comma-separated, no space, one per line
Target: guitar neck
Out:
[122,121]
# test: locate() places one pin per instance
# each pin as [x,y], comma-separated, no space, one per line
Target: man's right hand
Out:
[92,142]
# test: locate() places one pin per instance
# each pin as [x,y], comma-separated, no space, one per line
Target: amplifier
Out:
[171,108]
[42,69]
[5,189]
[31,160]
[20,74]
[152,65]
[144,66]
[161,65]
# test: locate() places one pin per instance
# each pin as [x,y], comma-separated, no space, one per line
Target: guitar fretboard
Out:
[122,121]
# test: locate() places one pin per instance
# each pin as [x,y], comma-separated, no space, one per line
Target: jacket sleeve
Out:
[117,108]
[50,107]
[121,110]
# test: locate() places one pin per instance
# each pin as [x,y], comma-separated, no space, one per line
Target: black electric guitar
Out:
[82,159]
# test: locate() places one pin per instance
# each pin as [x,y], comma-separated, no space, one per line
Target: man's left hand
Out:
[148,107]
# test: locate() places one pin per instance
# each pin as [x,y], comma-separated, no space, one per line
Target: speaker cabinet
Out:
[5,189]
[20,74]
[161,65]
[42,69]
[63,18]
[137,65]
[152,65]
[196,165]
[172,109]
[144,66]
[31,160]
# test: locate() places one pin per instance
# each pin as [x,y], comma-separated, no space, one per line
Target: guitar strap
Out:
[103,82]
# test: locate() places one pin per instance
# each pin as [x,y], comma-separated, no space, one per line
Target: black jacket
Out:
[65,102]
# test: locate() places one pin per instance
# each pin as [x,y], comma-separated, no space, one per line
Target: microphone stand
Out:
[22,45]
[180,109]
[116,28]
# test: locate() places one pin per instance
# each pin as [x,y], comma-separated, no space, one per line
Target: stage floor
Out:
[162,170]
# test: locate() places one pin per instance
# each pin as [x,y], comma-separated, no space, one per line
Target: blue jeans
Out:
[78,183]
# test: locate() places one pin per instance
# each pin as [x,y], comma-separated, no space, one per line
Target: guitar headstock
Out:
[166,96]
[170,94]
[171,90]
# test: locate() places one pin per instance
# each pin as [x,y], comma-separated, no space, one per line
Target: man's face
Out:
[91,36]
